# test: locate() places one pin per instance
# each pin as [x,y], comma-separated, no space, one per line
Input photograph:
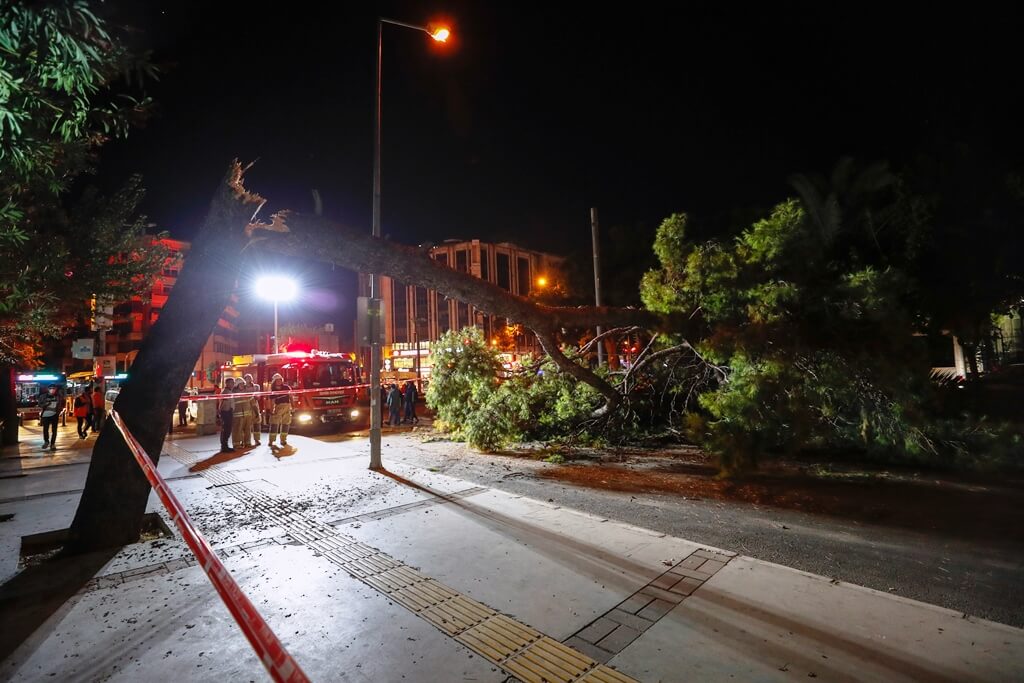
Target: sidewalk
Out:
[411,575]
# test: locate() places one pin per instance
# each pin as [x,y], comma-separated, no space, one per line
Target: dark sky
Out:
[535,112]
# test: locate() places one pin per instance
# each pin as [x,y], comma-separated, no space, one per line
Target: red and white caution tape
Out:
[271,652]
[258,394]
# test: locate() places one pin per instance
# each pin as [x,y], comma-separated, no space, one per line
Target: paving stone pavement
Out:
[480,585]
[515,647]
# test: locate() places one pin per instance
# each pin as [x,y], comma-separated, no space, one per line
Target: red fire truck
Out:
[329,386]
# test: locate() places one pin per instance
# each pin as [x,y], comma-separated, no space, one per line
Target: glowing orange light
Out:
[542,282]
[439,33]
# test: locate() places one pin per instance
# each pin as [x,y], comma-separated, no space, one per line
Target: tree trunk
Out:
[114,501]
[971,356]
[8,406]
[312,236]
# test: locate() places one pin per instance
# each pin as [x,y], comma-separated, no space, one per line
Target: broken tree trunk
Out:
[114,501]
[313,236]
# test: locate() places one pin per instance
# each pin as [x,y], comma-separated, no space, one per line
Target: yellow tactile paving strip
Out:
[549,660]
[498,638]
[518,649]
[603,674]
[456,615]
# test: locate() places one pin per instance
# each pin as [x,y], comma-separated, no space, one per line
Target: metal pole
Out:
[375,459]
[416,336]
[277,346]
[597,279]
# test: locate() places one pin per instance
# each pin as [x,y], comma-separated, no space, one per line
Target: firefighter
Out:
[280,411]
[241,431]
[257,417]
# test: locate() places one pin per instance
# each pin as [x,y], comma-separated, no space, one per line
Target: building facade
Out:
[414,316]
[132,321]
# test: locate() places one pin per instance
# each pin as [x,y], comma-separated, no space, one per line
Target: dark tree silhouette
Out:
[114,500]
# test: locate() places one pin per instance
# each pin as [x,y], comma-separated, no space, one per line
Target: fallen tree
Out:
[313,236]
[113,503]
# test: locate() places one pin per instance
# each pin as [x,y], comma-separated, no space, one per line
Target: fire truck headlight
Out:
[354,414]
[305,417]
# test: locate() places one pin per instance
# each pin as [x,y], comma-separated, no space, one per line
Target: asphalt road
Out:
[981,579]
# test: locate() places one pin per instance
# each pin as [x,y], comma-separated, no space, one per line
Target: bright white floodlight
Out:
[276,288]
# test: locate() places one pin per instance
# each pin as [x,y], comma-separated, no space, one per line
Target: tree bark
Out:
[114,500]
[312,236]
[8,407]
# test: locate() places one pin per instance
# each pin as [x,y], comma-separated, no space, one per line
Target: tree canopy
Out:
[66,87]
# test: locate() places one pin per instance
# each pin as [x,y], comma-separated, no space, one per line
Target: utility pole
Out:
[597,279]
[374,303]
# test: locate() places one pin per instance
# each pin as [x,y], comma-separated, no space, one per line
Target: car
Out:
[109,398]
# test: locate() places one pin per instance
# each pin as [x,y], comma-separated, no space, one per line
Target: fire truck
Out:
[329,386]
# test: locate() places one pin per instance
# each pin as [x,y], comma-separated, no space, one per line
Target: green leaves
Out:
[58,65]
[475,404]
[813,319]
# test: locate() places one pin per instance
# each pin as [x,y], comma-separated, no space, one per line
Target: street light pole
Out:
[374,308]
[276,288]
[277,345]
[439,34]
[597,279]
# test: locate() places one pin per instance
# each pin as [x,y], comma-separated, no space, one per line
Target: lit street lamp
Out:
[276,288]
[439,34]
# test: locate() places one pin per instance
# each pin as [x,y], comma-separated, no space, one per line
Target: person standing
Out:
[50,408]
[395,405]
[183,412]
[410,403]
[83,402]
[257,416]
[98,410]
[90,414]
[226,410]
[241,431]
[280,410]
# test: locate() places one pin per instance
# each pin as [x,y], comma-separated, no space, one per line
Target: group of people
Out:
[241,417]
[396,399]
[87,407]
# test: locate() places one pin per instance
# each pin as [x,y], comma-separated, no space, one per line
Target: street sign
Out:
[104,366]
[101,315]
[369,321]
[83,349]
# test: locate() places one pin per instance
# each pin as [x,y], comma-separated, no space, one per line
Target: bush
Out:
[473,404]
[464,375]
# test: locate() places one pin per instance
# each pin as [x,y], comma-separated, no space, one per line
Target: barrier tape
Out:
[271,652]
[291,392]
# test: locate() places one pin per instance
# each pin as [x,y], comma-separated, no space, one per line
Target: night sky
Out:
[534,113]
